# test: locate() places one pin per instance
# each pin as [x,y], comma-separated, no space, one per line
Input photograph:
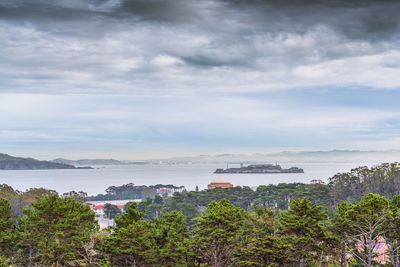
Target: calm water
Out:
[97,180]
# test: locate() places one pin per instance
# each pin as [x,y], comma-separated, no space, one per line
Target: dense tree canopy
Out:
[216,231]
[383,179]
[131,191]
[53,231]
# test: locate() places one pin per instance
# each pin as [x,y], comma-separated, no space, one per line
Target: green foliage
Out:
[3,262]
[279,196]
[365,222]
[131,214]
[139,242]
[131,191]
[20,200]
[216,231]
[78,196]
[53,231]
[189,210]
[339,227]
[392,233]
[302,233]
[7,229]
[111,211]
[172,240]
[132,245]
[151,208]
[271,196]
[352,186]
[256,245]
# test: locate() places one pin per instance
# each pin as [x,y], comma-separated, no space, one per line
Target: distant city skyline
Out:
[142,79]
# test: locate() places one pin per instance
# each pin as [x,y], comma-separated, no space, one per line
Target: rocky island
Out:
[261,168]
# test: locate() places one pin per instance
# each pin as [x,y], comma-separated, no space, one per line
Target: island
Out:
[8,162]
[261,168]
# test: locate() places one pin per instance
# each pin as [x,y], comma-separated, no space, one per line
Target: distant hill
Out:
[8,162]
[86,162]
[97,162]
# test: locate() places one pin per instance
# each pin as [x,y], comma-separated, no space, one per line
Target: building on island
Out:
[220,183]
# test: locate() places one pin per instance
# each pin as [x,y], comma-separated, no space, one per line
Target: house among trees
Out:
[219,183]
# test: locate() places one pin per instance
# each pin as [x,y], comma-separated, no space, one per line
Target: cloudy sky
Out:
[134,79]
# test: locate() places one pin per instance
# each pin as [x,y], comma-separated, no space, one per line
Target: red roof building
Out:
[220,183]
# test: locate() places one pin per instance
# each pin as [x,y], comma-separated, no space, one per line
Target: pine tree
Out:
[7,229]
[216,232]
[133,242]
[301,231]
[131,214]
[53,231]
[172,240]
[340,227]
[392,233]
[255,246]
[367,220]
[133,245]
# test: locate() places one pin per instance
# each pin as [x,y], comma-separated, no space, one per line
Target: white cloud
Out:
[166,61]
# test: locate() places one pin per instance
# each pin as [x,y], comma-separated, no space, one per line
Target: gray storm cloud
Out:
[356,18]
[187,45]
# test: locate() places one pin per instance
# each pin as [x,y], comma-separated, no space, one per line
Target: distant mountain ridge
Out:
[8,162]
[98,162]
[330,156]
[90,162]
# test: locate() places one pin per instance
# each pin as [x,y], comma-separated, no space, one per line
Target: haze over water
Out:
[189,175]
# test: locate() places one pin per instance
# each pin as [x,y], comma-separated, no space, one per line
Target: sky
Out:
[139,79]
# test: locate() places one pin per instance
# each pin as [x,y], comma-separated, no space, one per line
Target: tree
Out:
[301,233]
[131,214]
[352,186]
[133,241]
[78,196]
[255,246]
[172,240]
[340,227]
[92,251]
[53,231]
[111,211]
[366,221]
[133,245]
[12,196]
[392,233]
[216,232]
[7,229]
[152,207]
[189,210]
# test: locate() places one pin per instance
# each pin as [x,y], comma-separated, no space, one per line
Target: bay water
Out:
[95,181]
